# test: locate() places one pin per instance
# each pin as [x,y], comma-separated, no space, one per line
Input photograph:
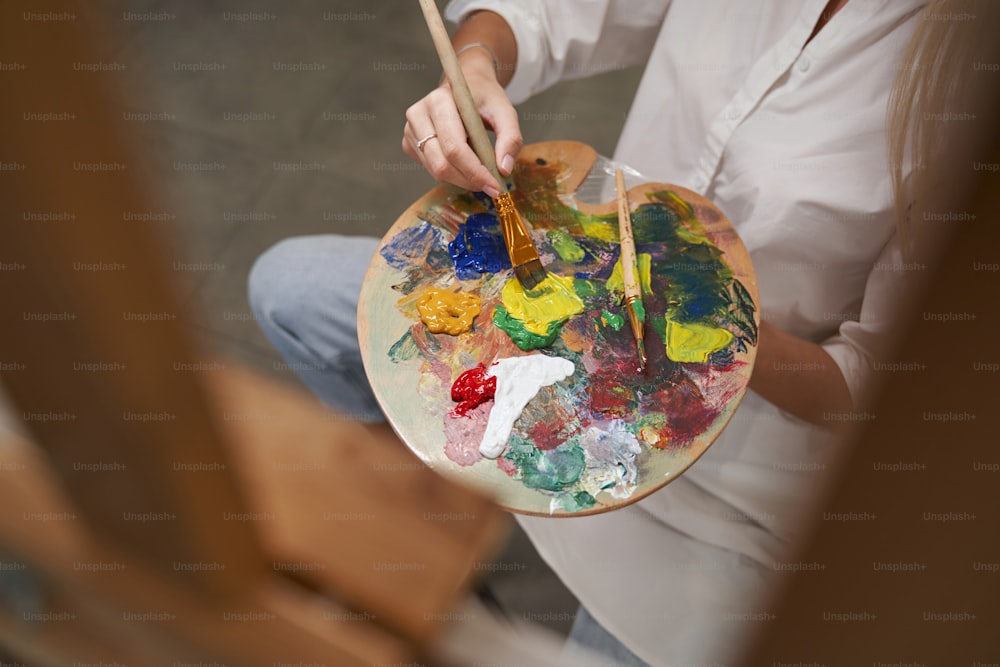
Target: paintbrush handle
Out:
[628,258]
[460,89]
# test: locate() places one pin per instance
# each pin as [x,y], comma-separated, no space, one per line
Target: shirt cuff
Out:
[855,365]
[525,21]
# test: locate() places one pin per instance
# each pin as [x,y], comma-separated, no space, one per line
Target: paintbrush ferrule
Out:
[519,242]
[636,318]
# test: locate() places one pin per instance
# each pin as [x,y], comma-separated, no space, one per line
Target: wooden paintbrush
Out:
[523,254]
[630,270]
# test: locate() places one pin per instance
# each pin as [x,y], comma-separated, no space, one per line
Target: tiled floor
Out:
[283,118]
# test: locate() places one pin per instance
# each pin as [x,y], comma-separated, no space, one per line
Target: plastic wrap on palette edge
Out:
[599,185]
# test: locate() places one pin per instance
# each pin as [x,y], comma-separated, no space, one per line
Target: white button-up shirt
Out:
[789,140]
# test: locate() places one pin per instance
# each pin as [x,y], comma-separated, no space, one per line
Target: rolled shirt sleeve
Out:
[859,344]
[562,39]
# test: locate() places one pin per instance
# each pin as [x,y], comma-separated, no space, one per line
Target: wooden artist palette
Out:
[607,435]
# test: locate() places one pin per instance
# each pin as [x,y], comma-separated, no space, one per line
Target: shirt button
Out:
[804,64]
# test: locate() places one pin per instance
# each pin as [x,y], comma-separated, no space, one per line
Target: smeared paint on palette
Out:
[605,435]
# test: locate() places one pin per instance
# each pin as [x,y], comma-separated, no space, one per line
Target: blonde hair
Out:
[930,91]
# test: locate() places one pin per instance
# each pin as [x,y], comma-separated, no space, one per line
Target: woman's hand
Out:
[434,134]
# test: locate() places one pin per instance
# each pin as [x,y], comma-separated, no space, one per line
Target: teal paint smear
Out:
[404,349]
[575,502]
[550,470]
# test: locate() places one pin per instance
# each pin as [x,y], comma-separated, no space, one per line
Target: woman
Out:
[777,112]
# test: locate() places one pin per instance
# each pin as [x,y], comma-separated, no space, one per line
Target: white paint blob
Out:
[518,381]
[610,459]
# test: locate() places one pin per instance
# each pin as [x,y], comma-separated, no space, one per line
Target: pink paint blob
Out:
[463,434]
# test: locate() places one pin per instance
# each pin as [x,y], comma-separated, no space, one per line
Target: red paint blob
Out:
[546,436]
[472,388]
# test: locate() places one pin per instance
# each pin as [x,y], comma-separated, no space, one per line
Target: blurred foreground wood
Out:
[176,510]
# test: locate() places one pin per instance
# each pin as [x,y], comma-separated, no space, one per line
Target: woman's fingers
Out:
[502,117]
[452,150]
[435,136]
[447,155]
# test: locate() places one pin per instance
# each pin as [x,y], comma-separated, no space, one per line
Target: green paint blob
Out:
[523,338]
[551,470]
[612,320]
[564,245]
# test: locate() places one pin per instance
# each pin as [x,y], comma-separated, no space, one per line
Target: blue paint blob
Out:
[412,246]
[479,247]
[722,358]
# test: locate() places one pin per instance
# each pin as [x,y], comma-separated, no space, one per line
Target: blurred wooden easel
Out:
[176,511]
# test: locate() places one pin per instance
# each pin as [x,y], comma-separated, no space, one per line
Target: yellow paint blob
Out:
[448,312]
[616,282]
[695,342]
[552,301]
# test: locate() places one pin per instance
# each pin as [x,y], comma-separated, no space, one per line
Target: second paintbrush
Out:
[630,270]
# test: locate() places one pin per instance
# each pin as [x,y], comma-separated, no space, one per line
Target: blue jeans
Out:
[591,635]
[304,294]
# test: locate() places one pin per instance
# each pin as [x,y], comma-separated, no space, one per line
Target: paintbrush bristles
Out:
[531,274]
[523,254]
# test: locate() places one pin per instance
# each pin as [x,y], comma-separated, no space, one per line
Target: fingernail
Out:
[507,165]
[491,191]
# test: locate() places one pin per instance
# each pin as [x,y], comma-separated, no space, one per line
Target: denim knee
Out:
[268,278]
